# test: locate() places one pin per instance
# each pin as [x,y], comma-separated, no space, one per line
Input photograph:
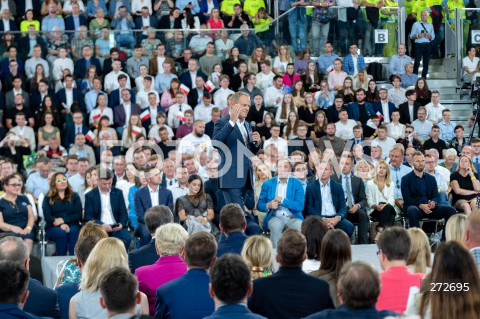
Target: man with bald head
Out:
[472,236]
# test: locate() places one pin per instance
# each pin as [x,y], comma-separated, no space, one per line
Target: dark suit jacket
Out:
[10,98]
[233,311]
[289,293]
[70,25]
[353,110]
[346,312]
[13,311]
[232,243]
[193,97]
[313,200]
[81,67]
[42,301]
[13,26]
[114,98]
[186,297]
[61,97]
[164,23]
[24,47]
[7,77]
[187,80]
[377,107]
[405,115]
[119,115]
[107,65]
[65,292]
[357,187]
[229,136]
[69,135]
[21,8]
[144,202]
[209,128]
[146,124]
[144,256]
[36,99]
[139,23]
[93,206]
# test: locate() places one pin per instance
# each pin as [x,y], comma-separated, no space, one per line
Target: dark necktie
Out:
[171,183]
[180,109]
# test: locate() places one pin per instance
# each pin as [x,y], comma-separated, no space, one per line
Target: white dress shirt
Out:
[327,203]
[107,215]
[153,195]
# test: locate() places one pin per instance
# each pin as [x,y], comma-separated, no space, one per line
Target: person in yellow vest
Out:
[226,8]
[372,13]
[388,19]
[251,7]
[451,13]
[261,23]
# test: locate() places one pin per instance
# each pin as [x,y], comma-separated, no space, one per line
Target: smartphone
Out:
[423,31]
[115,225]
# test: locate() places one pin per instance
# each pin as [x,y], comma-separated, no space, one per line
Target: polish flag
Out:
[181,117]
[136,130]
[330,68]
[145,115]
[96,117]
[380,116]
[90,136]
[184,89]
[209,86]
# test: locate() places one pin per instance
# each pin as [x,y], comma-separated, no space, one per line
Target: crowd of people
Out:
[174,167]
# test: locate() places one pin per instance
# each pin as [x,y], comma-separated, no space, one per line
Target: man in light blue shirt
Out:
[423,35]
[192,5]
[38,182]
[77,181]
[123,24]
[91,96]
[325,60]
[398,170]
[51,21]
[446,126]
[398,61]
[162,80]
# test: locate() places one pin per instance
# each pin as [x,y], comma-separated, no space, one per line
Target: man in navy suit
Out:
[232,225]
[88,59]
[74,20]
[192,73]
[237,135]
[230,286]
[105,206]
[114,98]
[155,217]
[187,297]
[42,301]
[64,102]
[384,106]
[144,22]
[120,111]
[151,195]
[72,130]
[334,209]
[360,110]
[12,25]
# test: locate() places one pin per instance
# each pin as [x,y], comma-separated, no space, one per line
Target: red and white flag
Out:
[90,136]
[181,117]
[184,89]
[97,116]
[145,115]
[209,86]
[136,130]
[380,116]
[330,68]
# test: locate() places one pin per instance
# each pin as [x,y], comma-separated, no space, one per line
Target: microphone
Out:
[253,124]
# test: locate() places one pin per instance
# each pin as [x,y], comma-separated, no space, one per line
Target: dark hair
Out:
[395,242]
[409,92]
[335,252]
[232,218]
[291,248]
[230,278]
[359,285]
[314,229]
[84,247]
[201,193]
[119,289]
[157,216]
[53,192]
[15,279]
[200,250]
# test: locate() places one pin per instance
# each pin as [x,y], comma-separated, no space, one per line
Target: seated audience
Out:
[314,229]
[455,228]
[472,236]
[232,225]
[465,185]
[419,257]
[14,290]
[257,252]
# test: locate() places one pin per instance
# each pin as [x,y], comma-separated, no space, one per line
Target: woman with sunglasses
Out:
[16,214]
[62,210]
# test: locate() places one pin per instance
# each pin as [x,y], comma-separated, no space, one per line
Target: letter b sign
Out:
[475,36]
[381,36]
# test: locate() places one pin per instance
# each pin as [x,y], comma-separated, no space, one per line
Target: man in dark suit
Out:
[66,291]
[191,73]
[120,119]
[114,98]
[210,126]
[114,56]
[384,106]
[16,89]
[42,301]
[151,195]
[36,99]
[26,44]
[12,25]
[65,103]
[232,225]
[200,253]
[88,58]
[324,189]
[70,20]
[355,197]
[272,295]
[230,286]
[144,22]
[235,132]
[360,110]
[195,95]
[105,206]
[72,130]
[409,109]
[155,217]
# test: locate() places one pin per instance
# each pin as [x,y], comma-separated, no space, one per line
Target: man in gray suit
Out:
[17,89]
[355,197]
[82,150]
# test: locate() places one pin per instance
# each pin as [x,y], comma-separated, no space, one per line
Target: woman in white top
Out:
[100,110]
[280,62]
[380,197]
[395,129]
[125,184]
[139,79]
[134,128]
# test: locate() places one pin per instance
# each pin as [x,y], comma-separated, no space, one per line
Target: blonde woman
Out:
[281,116]
[360,80]
[419,258]
[380,197]
[455,228]
[258,55]
[298,93]
[262,173]
[362,170]
[108,253]
[134,128]
[465,185]
[257,252]
[281,60]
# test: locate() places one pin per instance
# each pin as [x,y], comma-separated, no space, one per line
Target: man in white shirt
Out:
[199,42]
[265,77]
[61,63]
[273,95]
[24,131]
[421,125]
[142,97]
[180,188]
[77,181]
[383,140]
[196,142]
[221,95]
[280,143]
[434,108]
[344,127]
[111,79]
[31,64]
[177,110]
[203,111]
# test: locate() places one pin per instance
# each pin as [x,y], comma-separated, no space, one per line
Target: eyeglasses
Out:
[409,132]
[15,185]
[61,180]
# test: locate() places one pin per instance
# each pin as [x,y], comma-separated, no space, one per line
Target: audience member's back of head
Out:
[13,282]
[472,231]
[257,252]
[230,279]
[455,228]
[314,229]
[170,239]
[394,242]
[200,250]
[92,229]
[419,256]
[84,247]
[232,219]
[13,249]
[107,253]
[335,252]
[119,290]
[358,285]
[291,249]
[157,216]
